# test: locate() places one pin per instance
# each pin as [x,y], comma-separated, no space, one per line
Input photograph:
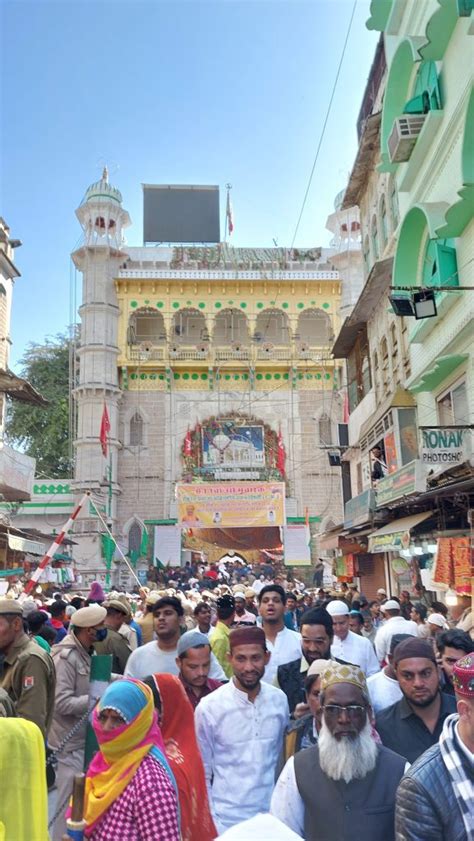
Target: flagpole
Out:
[109,510]
[227,206]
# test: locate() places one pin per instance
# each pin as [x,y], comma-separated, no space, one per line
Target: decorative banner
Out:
[228,445]
[234,504]
[445,446]
[454,564]
[443,572]
[462,560]
[167,546]
[390,452]
[296,542]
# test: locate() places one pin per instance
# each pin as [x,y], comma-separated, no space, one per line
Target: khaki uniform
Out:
[117,646]
[73,665]
[29,679]
[147,625]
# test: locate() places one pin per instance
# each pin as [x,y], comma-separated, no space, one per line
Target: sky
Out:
[181,92]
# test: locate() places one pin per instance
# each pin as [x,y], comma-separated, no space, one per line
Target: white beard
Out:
[348,759]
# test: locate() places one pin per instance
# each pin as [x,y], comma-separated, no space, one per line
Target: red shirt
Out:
[210,685]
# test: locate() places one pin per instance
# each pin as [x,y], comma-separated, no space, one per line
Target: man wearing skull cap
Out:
[435,799]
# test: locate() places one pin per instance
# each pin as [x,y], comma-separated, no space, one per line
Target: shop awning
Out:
[396,535]
[330,539]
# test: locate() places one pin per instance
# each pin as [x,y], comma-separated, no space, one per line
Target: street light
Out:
[424,304]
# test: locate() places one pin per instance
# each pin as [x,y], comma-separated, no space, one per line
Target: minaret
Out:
[99,257]
[347,257]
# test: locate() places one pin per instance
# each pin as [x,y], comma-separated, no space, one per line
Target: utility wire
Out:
[323,131]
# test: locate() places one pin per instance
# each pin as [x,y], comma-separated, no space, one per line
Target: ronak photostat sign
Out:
[444,445]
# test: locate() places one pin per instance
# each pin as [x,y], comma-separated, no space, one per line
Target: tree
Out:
[43,432]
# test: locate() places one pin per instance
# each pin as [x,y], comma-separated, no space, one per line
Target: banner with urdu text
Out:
[231,504]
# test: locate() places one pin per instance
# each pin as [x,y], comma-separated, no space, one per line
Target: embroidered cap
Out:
[463,676]
[343,673]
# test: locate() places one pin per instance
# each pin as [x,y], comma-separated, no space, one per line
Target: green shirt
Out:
[221,647]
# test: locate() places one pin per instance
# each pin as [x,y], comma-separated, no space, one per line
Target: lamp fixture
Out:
[402,305]
[424,304]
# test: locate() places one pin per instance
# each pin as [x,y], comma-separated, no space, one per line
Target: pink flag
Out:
[104,430]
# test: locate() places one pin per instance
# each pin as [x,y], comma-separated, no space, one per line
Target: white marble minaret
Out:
[98,259]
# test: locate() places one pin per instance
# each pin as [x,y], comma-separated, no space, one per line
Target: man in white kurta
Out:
[350,647]
[240,731]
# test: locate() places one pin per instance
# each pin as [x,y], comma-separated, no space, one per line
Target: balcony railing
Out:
[250,354]
[223,354]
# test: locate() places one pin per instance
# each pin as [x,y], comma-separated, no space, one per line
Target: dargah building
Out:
[221,397]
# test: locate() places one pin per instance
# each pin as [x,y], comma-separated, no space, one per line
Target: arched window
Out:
[134,538]
[272,326]
[136,430]
[147,325]
[325,430]
[374,233]
[314,328]
[189,327]
[366,253]
[383,224]
[231,326]
[385,364]
[393,197]
[375,371]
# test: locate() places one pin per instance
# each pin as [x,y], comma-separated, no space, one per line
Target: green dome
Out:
[103,190]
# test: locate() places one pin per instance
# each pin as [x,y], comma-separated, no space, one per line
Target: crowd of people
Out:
[241,705]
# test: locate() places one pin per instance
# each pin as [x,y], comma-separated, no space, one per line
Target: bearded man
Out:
[344,787]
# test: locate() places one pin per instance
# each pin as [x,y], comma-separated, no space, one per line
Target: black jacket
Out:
[291,680]
[426,807]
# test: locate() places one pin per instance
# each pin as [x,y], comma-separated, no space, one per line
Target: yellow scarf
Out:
[23,794]
[123,755]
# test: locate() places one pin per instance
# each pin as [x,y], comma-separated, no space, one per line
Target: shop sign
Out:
[443,446]
[358,509]
[22,544]
[408,480]
[392,542]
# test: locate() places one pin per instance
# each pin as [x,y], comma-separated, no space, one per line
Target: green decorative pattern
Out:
[326,306]
[379,14]
[134,304]
[439,30]
[202,305]
[48,489]
[160,304]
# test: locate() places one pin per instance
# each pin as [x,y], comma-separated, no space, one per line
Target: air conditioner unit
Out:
[403,136]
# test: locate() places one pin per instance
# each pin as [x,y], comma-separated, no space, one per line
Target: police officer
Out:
[26,671]
[72,659]
[114,643]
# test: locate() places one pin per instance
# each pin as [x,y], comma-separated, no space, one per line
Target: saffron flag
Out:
[281,454]
[104,430]
[229,214]
[187,448]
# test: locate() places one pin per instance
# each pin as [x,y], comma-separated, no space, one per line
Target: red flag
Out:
[187,449]
[281,454]
[229,214]
[104,430]
[345,408]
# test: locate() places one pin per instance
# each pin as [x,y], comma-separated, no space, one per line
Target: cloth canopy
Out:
[239,538]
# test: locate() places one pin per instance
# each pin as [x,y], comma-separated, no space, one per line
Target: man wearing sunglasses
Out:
[344,787]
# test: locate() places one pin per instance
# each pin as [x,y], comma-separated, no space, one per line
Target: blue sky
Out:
[169,92]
